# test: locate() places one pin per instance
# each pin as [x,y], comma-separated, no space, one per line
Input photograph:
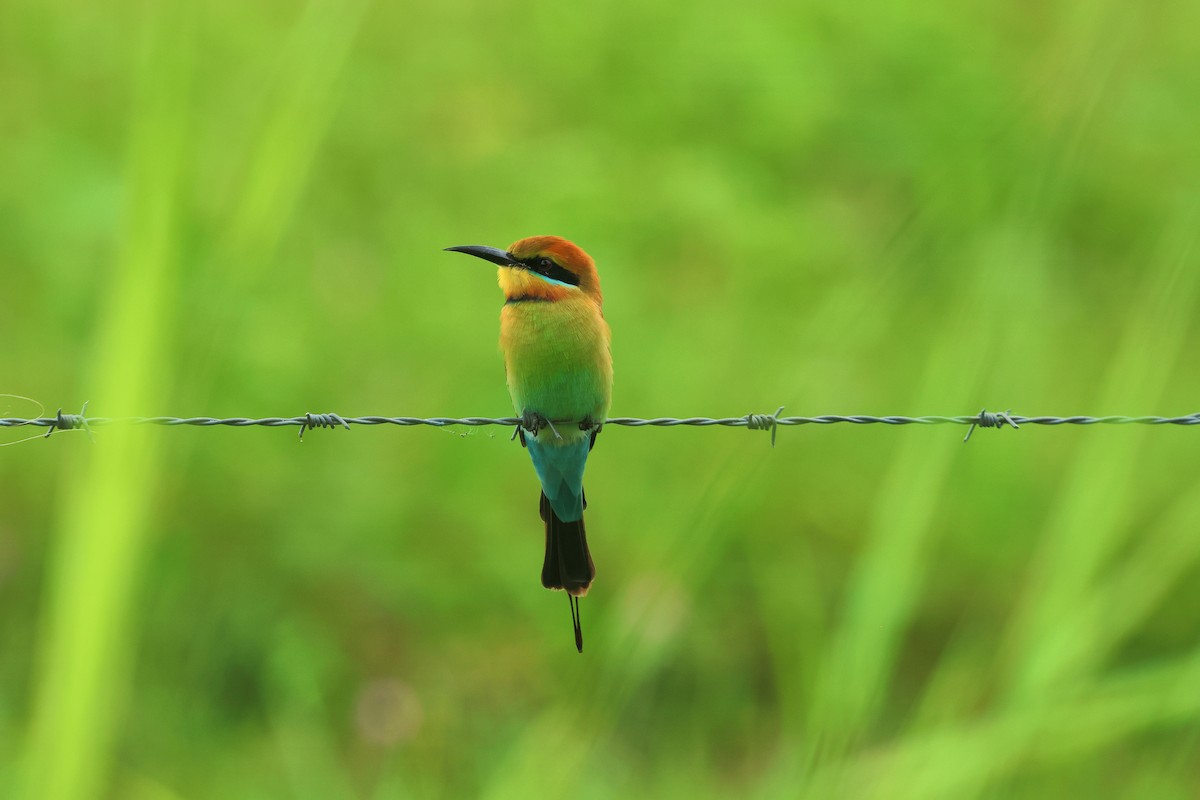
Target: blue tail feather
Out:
[560,469]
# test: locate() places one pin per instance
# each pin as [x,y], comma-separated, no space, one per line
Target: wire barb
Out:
[70,422]
[765,422]
[313,421]
[986,419]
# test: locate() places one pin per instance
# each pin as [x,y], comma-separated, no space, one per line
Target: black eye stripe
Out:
[547,267]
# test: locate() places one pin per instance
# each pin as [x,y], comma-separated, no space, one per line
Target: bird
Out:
[558,363]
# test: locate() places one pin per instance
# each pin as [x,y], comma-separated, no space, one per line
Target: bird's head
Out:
[541,268]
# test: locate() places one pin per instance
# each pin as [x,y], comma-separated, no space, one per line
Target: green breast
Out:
[557,358]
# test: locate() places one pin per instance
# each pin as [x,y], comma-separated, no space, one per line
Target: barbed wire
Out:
[763,422]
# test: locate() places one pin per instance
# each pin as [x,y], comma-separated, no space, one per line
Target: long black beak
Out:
[492,254]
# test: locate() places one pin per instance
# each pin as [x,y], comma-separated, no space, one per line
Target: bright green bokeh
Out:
[237,209]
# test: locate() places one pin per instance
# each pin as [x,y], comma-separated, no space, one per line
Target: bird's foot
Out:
[588,424]
[533,422]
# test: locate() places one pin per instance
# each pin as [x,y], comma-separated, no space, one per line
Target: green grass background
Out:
[238,209]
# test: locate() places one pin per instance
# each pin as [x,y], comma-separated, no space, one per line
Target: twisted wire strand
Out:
[770,422]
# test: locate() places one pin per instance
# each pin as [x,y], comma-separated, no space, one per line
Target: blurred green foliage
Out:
[238,209]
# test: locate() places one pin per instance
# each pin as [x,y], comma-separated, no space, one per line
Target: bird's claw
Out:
[533,422]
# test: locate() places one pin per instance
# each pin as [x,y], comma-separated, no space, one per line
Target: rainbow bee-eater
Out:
[559,366]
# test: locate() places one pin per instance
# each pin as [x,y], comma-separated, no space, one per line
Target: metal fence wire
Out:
[759,422]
